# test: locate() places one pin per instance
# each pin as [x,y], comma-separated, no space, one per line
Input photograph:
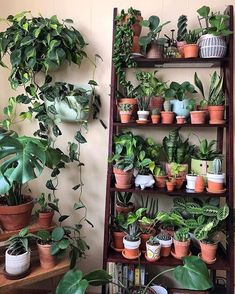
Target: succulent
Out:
[167,105]
[133,232]
[123,198]
[163,237]
[125,107]
[217,166]
[182,234]
[206,150]
[182,28]
[155,111]
[153,240]
[191,37]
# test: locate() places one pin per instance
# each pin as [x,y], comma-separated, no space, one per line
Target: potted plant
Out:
[143,112]
[170,185]
[118,231]
[180,119]
[45,212]
[191,48]
[199,184]
[145,167]
[17,256]
[176,170]
[216,177]
[155,116]
[178,93]
[196,116]
[131,241]
[181,242]
[152,44]
[123,204]
[160,177]
[153,249]
[30,156]
[212,43]
[125,112]
[216,97]
[165,242]
[181,34]
[167,115]
[191,179]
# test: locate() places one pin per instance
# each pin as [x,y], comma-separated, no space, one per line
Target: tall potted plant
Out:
[216,177]
[45,212]
[181,33]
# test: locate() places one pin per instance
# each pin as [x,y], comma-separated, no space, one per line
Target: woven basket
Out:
[211,46]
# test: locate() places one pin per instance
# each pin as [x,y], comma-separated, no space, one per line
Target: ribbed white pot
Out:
[17,264]
[143,114]
[211,46]
[165,243]
[131,244]
[190,182]
[216,178]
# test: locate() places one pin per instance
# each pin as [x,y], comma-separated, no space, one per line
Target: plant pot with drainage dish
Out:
[166,242]
[123,204]
[17,256]
[131,241]
[196,116]
[153,249]
[216,178]
[216,97]
[118,228]
[160,177]
[29,156]
[46,212]
[181,242]
[152,44]
[212,43]
[191,48]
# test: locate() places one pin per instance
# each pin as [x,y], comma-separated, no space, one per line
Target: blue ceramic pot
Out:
[180,107]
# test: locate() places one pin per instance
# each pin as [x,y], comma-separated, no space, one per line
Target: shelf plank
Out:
[181,192]
[179,62]
[175,125]
[37,274]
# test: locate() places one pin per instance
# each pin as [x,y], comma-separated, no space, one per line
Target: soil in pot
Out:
[16,217]
[118,240]
[47,260]
[181,248]
[216,114]
[198,117]
[123,179]
[45,219]
[167,117]
[191,50]
[208,251]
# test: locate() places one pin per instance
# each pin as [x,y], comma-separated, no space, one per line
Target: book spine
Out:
[125,275]
[119,277]
[131,273]
[137,276]
[111,272]
[142,275]
[115,279]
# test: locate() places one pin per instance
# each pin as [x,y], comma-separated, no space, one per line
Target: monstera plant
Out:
[23,159]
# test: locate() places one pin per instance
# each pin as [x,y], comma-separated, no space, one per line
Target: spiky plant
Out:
[163,237]
[153,240]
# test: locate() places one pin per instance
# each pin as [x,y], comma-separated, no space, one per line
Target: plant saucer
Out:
[128,257]
[215,192]
[135,54]
[143,122]
[177,257]
[206,261]
[217,122]
[151,259]
[16,277]
[116,249]
[123,186]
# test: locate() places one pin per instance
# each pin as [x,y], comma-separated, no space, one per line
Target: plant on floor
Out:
[182,28]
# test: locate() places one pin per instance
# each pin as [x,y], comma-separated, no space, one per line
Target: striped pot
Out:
[211,46]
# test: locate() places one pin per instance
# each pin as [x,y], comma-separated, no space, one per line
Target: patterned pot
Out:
[211,46]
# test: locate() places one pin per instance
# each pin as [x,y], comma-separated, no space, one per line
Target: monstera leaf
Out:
[23,159]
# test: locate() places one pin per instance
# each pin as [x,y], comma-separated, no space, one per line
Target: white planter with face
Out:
[144,181]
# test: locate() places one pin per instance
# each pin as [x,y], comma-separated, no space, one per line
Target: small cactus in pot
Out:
[216,178]
[125,112]
[167,115]
[181,33]
[155,116]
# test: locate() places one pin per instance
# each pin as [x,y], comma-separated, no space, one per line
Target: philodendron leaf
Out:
[98,278]
[193,275]
[57,234]
[72,283]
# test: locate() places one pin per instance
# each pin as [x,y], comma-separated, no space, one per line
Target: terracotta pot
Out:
[180,47]
[133,102]
[199,184]
[216,114]
[156,102]
[123,179]
[144,238]
[213,186]
[179,181]
[160,181]
[155,50]
[167,117]
[47,261]
[118,240]
[155,118]
[45,219]
[191,50]
[131,248]
[170,186]
[125,209]
[181,248]
[208,251]
[135,45]
[125,116]
[165,251]
[198,117]
[18,216]
[180,119]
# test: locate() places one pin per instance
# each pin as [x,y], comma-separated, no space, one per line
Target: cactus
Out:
[217,166]
[125,107]
[155,111]
[153,240]
[163,237]
[182,235]
[182,28]
[167,105]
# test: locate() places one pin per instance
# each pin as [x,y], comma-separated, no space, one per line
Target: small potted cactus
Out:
[181,34]
[181,242]
[125,112]
[216,177]
[166,242]
[153,249]
[155,116]
[132,242]
[191,48]
[160,177]
[167,115]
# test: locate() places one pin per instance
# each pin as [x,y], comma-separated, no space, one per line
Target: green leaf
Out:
[68,20]
[72,283]
[76,187]
[57,234]
[23,232]
[98,278]
[193,275]
[204,11]
[79,137]
[78,205]
[54,249]
[92,82]
[44,235]
[50,186]
[62,218]
[53,206]
[63,244]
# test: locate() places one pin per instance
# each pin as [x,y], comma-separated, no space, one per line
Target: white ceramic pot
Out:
[143,114]
[144,181]
[211,46]
[165,243]
[17,264]
[131,244]
[159,289]
[153,251]
[216,178]
[190,182]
